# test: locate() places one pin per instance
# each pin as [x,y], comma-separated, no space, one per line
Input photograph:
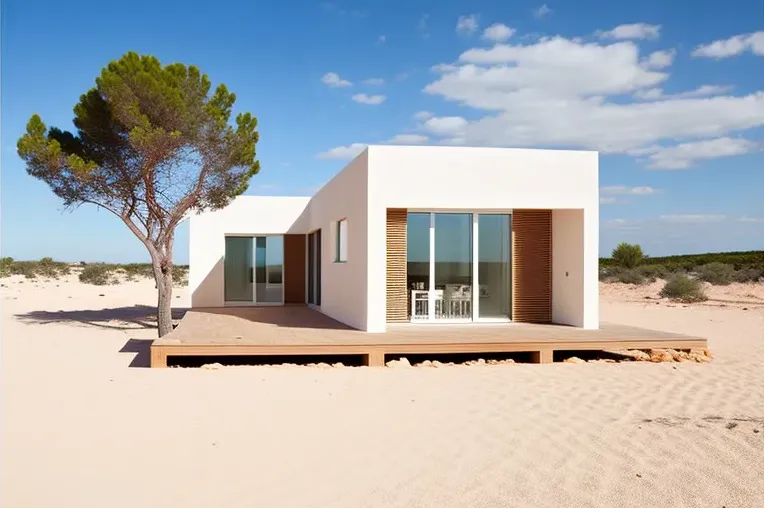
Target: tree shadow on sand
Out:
[136,317]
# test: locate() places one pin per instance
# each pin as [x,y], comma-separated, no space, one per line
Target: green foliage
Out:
[684,289]
[5,266]
[629,276]
[180,275]
[718,274]
[98,274]
[626,255]
[151,141]
[739,260]
[135,270]
[653,272]
[46,267]
[749,275]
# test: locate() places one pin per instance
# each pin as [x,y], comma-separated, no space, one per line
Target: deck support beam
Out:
[375,358]
[158,357]
[543,356]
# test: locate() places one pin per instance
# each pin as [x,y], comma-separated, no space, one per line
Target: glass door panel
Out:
[238,269]
[418,264]
[269,260]
[314,268]
[494,266]
[452,295]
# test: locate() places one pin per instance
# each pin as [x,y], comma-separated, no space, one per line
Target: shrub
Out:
[629,276]
[49,268]
[134,270]
[26,268]
[748,275]
[98,274]
[180,275]
[653,272]
[684,289]
[718,274]
[627,255]
[5,266]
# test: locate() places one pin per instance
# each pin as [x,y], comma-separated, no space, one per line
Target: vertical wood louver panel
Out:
[396,266]
[532,266]
[294,268]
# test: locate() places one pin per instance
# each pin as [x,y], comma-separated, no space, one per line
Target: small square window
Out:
[342,241]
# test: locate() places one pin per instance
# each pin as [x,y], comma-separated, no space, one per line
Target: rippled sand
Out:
[80,427]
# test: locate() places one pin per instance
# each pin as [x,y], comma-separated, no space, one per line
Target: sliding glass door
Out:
[314,268]
[459,267]
[253,270]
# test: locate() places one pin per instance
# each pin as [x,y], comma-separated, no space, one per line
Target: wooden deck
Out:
[299,330]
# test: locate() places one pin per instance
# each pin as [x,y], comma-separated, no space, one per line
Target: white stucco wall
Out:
[246,215]
[490,179]
[343,285]
[568,267]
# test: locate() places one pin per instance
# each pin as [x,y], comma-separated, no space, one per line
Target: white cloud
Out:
[343,152]
[408,139]
[660,59]
[423,115]
[333,80]
[691,218]
[498,32]
[541,12]
[652,94]
[624,190]
[450,126]
[558,92]
[725,48]
[374,81]
[467,25]
[609,194]
[372,100]
[755,220]
[381,39]
[683,155]
[632,31]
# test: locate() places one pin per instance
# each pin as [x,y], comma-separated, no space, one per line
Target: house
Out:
[416,234]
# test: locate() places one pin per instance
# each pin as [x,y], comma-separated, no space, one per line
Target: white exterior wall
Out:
[343,285]
[489,179]
[246,215]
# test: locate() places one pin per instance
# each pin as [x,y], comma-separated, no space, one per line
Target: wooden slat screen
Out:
[532,266]
[396,266]
[294,268]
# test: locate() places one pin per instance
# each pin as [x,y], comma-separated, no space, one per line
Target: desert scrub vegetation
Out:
[627,255]
[45,267]
[718,274]
[684,289]
[98,274]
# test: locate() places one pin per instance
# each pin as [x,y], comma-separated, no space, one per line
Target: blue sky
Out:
[671,95]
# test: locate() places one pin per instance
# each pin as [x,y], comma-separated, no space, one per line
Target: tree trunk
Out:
[163,277]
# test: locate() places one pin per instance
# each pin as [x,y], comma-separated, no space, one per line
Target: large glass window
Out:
[453,265]
[494,266]
[253,269]
[418,264]
[458,266]
[237,267]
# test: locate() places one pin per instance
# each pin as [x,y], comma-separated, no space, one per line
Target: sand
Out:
[81,427]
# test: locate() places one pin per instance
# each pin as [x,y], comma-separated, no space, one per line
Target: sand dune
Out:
[81,427]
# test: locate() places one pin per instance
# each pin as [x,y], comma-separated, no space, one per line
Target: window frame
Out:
[340,254]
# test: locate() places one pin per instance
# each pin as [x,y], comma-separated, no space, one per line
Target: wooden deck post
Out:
[158,357]
[375,358]
[543,356]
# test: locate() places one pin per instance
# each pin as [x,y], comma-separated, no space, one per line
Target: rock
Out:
[101,294]
[426,364]
[574,359]
[755,431]
[323,365]
[745,308]
[480,361]
[660,355]
[338,365]
[507,361]
[212,366]
[638,355]
[493,362]
[436,363]
[397,364]
[699,356]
